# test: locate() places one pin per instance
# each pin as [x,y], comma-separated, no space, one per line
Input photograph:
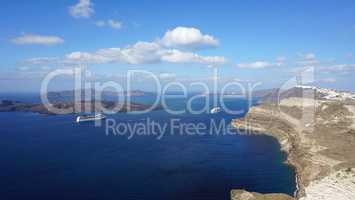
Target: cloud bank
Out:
[259,64]
[146,52]
[29,39]
[141,53]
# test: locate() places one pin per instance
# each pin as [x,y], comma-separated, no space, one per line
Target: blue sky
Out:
[266,41]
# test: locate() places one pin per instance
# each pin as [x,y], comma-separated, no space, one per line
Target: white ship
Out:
[85,118]
[215,110]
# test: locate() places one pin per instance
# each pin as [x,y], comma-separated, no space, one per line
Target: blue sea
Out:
[52,157]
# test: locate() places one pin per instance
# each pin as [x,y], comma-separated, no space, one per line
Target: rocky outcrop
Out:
[319,137]
[244,195]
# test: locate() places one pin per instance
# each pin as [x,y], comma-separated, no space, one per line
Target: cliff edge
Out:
[318,134]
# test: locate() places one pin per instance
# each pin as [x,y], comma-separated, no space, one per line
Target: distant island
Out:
[65,100]
[86,106]
[69,95]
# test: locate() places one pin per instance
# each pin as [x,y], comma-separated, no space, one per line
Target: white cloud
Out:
[307,59]
[242,80]
[280,59]
[309,56]
[109,23]
[142,53]
[298,70]
[258,65]
[177,56]
[339,68]
[328,80]
[83,9]
[187,37]
[100,23]
[138,53]
[41,61]
[308,62]
[114,24]
[84,57]
[23,68]
[37,39]
[167,75]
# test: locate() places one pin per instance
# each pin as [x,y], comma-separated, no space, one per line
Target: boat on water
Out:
[215,110]
[85,118]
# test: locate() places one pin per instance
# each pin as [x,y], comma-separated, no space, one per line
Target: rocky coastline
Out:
[318,136]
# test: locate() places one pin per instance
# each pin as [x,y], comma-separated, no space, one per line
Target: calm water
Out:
[51,157]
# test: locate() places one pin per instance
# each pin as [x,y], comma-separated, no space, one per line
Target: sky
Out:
[256,41]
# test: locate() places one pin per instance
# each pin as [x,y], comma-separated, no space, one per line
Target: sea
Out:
[53,157]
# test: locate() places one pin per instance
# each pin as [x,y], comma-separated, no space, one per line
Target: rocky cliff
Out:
[319,136]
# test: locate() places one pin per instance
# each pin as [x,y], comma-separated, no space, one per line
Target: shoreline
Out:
[321,155]
[287,161]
